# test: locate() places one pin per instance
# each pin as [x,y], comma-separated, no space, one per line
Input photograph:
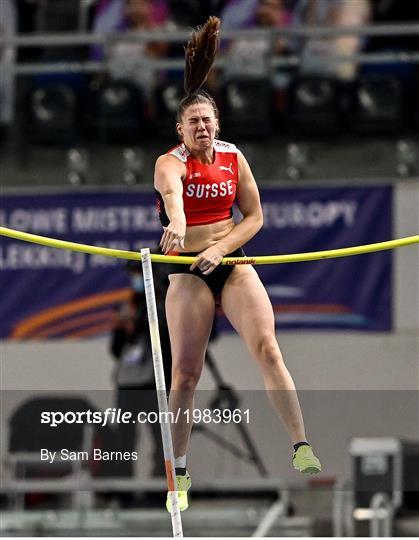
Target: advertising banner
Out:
[55,293]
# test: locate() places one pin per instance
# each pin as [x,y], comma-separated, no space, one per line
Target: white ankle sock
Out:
[180,462]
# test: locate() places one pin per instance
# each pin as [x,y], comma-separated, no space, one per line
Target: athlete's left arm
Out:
[248,201]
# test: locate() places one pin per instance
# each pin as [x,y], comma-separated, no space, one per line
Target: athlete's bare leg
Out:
[190,310]
[247,306]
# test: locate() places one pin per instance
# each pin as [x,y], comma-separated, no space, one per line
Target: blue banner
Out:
[351,292]
[54,293]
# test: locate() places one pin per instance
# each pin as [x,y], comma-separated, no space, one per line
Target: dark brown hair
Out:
[200,53]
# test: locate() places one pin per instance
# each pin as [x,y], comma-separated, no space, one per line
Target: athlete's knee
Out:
[267,351]
[185,378]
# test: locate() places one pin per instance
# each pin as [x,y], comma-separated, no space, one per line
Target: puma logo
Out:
[229,169]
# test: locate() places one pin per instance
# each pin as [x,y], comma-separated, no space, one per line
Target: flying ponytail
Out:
[200,53]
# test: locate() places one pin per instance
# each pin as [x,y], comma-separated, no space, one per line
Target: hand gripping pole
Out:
[161,391]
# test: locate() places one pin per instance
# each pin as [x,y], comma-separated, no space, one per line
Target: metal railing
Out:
[380,513]
[180,36]
[173,35]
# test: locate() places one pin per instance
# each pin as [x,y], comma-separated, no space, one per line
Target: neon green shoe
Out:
[183,483]
[305,461]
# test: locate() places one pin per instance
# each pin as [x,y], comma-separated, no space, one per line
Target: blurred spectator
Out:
[134,375]
[8,27]
[111,16]
[238,14]
[336,13]
[130,59]
[248,56]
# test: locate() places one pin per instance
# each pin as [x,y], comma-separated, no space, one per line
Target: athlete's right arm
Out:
[168,175]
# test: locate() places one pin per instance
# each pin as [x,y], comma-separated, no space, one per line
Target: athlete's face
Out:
[198,126]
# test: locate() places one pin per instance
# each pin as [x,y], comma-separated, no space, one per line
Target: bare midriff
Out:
[200,237]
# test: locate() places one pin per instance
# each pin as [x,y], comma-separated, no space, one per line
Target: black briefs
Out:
[218,276]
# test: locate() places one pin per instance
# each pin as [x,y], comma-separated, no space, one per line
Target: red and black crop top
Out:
[209,191]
